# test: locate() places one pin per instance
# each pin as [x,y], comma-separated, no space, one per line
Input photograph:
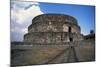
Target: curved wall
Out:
[53,28]
[50,37]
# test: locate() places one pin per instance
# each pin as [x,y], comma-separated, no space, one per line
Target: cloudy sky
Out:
[22,14]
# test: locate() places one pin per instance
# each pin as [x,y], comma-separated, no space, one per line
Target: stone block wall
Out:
[50,37]
[53,28]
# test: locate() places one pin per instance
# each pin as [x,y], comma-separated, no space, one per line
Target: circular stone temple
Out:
[53,28]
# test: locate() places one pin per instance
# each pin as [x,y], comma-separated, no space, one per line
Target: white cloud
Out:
[19,30]
[22,14]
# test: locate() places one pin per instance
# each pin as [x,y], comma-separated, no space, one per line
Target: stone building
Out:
[53,28]
[53,38]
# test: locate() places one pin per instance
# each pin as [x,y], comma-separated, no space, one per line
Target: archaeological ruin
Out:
[53,38]
[53,28]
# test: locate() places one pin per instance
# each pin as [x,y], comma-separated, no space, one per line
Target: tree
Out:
[91,31]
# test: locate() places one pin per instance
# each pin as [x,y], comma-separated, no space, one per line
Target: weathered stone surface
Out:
[52,28]
[50,37]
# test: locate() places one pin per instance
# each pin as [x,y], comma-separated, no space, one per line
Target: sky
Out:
[22,14]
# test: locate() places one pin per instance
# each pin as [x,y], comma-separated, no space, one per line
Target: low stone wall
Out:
[26,45]
[37,45]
